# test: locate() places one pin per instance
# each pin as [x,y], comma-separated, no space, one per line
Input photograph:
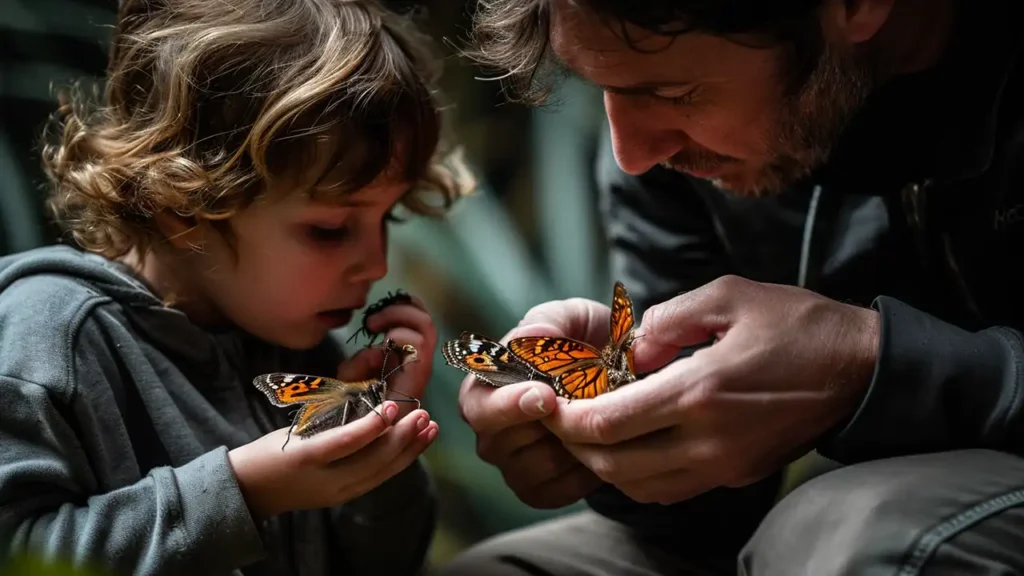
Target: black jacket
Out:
[919,214]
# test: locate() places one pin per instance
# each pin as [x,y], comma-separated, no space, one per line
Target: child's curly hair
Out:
[206,100]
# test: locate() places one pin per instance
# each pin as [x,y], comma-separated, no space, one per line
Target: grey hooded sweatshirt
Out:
[116,417]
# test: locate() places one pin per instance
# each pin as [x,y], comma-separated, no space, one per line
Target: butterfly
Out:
[580,370]
[489,361]
[328,402]
[396,297]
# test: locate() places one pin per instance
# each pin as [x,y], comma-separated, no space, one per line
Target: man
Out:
[831,193]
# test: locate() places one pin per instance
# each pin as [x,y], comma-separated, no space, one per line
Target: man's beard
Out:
[808,124]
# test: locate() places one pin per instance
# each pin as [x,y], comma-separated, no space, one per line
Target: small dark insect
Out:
[397,297]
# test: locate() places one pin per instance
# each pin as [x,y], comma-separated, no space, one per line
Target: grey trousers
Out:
[936,514]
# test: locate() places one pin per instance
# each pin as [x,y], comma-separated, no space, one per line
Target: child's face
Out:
[297,267]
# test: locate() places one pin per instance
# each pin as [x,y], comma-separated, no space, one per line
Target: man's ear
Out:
[854,21]
[181,232]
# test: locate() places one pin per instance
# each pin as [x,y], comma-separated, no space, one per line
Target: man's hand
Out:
[507,420]
[786,366]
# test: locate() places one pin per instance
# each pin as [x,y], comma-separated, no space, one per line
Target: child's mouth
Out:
[335,318]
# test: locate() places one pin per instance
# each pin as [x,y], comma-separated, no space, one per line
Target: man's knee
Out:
[581,544]
[902,515]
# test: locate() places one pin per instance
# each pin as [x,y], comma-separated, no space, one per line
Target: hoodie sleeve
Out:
[394,521]
[79,497]
[936,387]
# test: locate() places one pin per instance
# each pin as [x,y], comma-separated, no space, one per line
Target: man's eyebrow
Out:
[639,89]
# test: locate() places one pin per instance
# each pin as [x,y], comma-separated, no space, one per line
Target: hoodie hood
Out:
[167,328]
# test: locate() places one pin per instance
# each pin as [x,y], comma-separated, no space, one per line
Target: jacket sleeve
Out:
[174,520]
[936,387]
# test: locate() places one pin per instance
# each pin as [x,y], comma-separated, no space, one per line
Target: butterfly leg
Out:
[373,409]
[345,413]
[295,422]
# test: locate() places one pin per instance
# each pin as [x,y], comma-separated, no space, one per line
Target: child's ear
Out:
[181,232]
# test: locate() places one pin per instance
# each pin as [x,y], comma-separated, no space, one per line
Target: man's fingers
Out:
[496,448]
[343,441]
[488,409]
[668,488]
[635,459]
[542,330]
[655,402]
[568,488]
[576,318]
[540,461]
[690,319]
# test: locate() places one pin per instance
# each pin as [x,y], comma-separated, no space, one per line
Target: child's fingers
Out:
[402,315]
[406,457]
[365,363]
[343,441]
[366,463]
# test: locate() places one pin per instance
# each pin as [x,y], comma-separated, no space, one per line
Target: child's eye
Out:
[392,217]
[327,234]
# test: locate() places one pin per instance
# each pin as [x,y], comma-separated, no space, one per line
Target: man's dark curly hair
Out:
[511,36]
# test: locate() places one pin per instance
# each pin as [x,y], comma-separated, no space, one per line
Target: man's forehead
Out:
[625,58]
[613,55]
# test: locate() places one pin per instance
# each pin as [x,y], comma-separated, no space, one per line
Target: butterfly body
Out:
[575,369]
[326,402]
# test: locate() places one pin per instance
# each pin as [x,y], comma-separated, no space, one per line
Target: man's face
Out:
[709,106]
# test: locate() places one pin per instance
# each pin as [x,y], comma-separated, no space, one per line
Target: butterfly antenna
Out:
[384,377]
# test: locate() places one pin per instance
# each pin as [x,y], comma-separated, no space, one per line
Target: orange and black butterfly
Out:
[580,370]
[489,361]
[328,402]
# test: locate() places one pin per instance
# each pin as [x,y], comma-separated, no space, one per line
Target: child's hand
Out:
[332,467]
[407,324]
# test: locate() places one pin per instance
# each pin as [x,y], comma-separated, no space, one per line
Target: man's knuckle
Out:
[600,427]
[605,467]
[485,448]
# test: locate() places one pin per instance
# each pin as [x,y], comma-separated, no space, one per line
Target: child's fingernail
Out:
[422,422]
[390,411]
[432,434]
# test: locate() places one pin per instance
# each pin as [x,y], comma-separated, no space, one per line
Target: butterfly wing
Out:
[285,389]
[585,382]
[488,360]
[622,319]
[553,356]
[323,400]
[622,322]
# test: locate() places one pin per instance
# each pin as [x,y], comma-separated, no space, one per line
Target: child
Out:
[232,198]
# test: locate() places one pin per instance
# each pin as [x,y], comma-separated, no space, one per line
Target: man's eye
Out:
[327,234]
